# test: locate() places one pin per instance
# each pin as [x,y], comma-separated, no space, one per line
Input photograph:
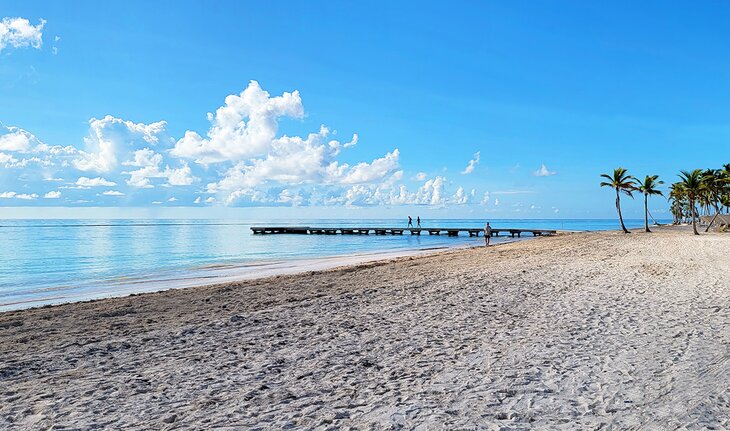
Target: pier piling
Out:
[450,231]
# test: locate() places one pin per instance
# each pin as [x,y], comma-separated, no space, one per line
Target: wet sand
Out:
[578,331]
[208,275]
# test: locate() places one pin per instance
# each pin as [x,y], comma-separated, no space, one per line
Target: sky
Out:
[355,109]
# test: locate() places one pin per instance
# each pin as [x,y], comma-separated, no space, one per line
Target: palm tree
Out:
[724,186]
[693,187]
[725,201]
[622,183]
[649,187]
[677,196]
[713,183]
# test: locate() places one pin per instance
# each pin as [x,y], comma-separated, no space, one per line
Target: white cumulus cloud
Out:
[286,196]
[293,160]
[94,182]
[485,199]
[241,159]
[461,197]
[431,192]
[365,172]
[244,127]
[20,33]
[352,142]
[543,171]
[149,164]
[16,140]
[113,139]
[472,164]
[26,196]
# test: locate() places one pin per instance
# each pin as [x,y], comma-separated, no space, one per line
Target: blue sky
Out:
[108,106]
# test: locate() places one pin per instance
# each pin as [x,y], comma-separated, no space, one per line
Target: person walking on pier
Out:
[410,221]
[418,221]
[487,234]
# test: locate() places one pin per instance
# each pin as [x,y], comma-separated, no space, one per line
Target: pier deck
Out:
[449,231]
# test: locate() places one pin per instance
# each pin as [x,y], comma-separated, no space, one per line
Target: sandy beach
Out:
[577,331]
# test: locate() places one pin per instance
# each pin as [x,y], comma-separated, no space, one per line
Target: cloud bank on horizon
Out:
[242,159]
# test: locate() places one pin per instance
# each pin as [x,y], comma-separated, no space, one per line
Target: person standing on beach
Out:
[418,221]
[410,221]
[487,234]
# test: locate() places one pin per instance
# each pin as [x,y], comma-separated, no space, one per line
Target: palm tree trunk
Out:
[656,223]
[715,205]
[711,222]
[646,213]
[694,211]
[618,208]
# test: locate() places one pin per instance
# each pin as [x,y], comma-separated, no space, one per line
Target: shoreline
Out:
[589,330]
[106,262]
[219,274]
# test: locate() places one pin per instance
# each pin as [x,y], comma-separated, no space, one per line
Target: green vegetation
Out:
[701,193]
[697,193]
[622,182]
[649,188]
[693,188]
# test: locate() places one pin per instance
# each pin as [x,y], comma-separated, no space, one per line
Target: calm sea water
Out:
[52,261]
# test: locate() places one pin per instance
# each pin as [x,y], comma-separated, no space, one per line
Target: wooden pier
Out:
[449,231]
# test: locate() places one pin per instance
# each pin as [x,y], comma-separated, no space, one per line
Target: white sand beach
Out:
[578,331]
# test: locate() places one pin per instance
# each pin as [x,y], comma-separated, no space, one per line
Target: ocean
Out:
[53,261]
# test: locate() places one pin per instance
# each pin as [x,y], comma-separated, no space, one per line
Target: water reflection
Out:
[83,255]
